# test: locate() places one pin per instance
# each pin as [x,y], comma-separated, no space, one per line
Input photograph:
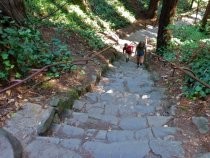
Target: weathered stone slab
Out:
[114,87]
[156,94]
[92,97]
[133,123]
[111,96]
[78,105]
[6,148]
[135,86]
[72,144]
[112,109]
[127,110]
[118,136]
[101,135]
[144,134]
[90,132]
[55,100]
[26,123]
[158,121]
[10,147]
[144,109]
[206,155]
[95,110]
[66,131]
[43,149]
[162,132]
[95,105]
[201,123]
[77,119]
[130,149]
[167,149]
[46,120]
[104,118]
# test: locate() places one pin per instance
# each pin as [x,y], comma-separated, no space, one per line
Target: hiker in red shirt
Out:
[128,49]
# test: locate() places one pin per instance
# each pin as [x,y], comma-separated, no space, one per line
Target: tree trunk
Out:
[14,9]
[191,5]
[152,11]
[206,16]
[167,13]
[198,5]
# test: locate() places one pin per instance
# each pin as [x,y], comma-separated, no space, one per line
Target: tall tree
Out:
[198,6]
[206,16]
[191,4]
[167,13]
[13,8]
[152,10]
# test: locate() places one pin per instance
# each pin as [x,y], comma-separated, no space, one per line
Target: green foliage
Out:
[191,47]
[86,20]
[207,28]
[144,4]
[169,56]
[23,49]
[106,10]
[183,6]
[200,66]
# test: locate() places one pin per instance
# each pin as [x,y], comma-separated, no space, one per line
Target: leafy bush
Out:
[200,66]
[191,47]
[144,4]
[23,48]
[183,6]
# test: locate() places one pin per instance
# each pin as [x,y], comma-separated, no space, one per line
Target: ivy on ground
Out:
[23,49]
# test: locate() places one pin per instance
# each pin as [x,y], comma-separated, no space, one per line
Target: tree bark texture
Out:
[206,15]
[167,13]
[152,10]
[14,9]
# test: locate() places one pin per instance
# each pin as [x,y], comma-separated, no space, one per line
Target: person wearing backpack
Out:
[140,52]
[128,50]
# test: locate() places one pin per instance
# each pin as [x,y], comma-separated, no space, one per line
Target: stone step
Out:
[47,147]
[120,104]
[135,149]
[137,123]
[76,148]
[66,131]
[121,108]
[96,121]
[139,87]
[63,131]
[107,121]
[10,146]
[167,149]
[131,149]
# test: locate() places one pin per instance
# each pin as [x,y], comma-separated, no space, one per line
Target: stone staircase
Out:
[121,118]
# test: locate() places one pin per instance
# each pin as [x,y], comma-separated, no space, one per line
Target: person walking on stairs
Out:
[140,52]
[128,50]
